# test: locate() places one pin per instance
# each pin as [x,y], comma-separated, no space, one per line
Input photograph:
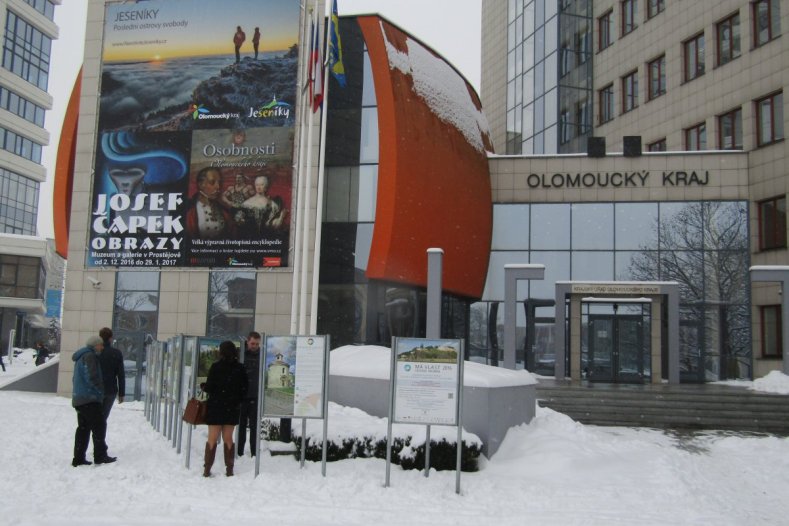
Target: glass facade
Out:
[231,304]
[702,245]
[21,277]
[19,145]
[549,76]
[22,107]
[135,322]
[45,7]
[26,51]
[18,203]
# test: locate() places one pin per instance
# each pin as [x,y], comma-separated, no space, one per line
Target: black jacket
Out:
[252,366]
[226,386]
[111,361]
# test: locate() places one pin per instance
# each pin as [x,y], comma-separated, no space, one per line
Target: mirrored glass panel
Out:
[550,227]
[510,227]
[368,191]
[593,226]
[368,142]
[593,266]
[636,226]
[681,226]
[368,89]
[725,225]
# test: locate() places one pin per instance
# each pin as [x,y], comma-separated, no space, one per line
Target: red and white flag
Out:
[316,69]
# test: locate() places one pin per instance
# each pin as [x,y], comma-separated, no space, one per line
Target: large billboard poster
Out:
[194,157]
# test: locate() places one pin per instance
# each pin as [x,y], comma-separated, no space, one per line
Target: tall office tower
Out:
[25,259]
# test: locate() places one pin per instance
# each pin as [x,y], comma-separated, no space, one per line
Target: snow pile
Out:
[442,88]
[773,382]
[372,361]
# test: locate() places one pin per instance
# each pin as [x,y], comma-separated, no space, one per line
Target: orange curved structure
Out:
[433,177]
[64,170]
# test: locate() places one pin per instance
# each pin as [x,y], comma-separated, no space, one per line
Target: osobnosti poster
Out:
[172,70]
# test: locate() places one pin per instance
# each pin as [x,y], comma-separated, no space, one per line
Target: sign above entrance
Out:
[613,288]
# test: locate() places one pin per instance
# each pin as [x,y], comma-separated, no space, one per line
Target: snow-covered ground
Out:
[552,471]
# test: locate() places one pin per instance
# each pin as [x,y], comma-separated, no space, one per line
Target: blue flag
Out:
[336,66]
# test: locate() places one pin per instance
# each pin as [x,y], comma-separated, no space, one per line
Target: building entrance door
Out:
[616,349]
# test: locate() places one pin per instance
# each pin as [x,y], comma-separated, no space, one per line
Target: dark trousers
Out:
[249,417]
[90,420]
[107,406]
[238,55]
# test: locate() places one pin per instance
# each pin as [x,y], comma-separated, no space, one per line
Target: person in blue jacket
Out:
[87,398]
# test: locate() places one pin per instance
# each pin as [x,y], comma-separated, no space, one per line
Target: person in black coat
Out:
[111,361]
[226,386]
[42,353]
[249,405]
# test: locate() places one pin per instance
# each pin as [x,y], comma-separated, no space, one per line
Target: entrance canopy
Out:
[654,292]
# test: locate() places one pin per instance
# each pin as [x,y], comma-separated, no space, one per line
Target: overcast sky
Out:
[450,27]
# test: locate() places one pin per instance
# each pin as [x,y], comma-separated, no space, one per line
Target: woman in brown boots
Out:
[226,386]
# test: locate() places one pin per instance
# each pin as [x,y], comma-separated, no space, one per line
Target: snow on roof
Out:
[372,361]
[444,91]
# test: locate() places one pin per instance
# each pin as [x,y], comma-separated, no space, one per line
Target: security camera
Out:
[96,283]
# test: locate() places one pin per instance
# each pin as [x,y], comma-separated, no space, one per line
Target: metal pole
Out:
[391,412]
[326,369]
[435,258]
[261,387]
[460,421]
[303,442]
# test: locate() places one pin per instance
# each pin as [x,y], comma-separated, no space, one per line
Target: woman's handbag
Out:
[195,412]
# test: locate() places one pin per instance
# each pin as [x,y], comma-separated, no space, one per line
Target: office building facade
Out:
[706,78]
[29,292]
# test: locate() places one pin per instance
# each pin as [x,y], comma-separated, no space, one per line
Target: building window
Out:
[657,146]
[21,146]
[766,21]
[21,277]
[628,16]
[630,91]
[654,7]
[606,103]
[583,46]
[657,77]
[730,130]
[583,117]
[693,56]
[231,303]
[22,107]
[136,307]
[565,127]
[770,119]
[26,51]
[772,223]
[772,333]
[728,39]
[696,137]
[605,26]
[18,203]
[45,7]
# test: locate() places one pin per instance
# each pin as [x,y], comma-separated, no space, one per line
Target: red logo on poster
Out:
[272,262]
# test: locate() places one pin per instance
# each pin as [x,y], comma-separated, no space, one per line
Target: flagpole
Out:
[306,112]
[307,203]
[316,255]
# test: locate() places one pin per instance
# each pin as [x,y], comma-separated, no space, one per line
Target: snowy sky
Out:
[457,38]
[552,471]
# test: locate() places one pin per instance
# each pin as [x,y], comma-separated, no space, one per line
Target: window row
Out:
[21,146]
[766,26]
[768,112]
[21,277]
[22,107]
[45,7]
[18,203]
[26,51]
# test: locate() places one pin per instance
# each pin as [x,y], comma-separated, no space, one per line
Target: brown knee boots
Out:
[210,454]
[230,459]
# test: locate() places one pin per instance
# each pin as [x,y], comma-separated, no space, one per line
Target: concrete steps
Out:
[692,407]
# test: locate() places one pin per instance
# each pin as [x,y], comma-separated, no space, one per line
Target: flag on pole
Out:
[335,47]
[316,69]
